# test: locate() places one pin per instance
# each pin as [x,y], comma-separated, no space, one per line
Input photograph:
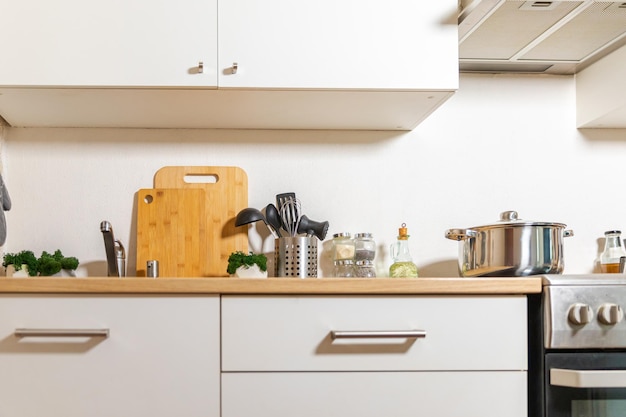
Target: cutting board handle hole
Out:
[201,178]
[148,199]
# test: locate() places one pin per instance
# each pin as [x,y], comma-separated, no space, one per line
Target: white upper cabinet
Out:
[330,44]
[275,64]
[108,43]
[601,93]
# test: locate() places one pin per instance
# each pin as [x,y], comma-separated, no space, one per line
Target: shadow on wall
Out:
[440,269]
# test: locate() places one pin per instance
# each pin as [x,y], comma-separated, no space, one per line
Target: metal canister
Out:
[152,268]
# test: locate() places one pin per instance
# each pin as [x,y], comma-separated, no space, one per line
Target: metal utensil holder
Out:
[296,257]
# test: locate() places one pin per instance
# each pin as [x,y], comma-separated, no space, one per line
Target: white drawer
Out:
[291,333]
[375,394]
[160,359]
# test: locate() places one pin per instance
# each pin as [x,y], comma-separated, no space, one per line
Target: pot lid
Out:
[511,218]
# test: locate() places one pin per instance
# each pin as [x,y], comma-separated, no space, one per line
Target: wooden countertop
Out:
[346,286]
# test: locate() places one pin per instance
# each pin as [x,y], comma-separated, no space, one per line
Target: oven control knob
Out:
[580,313]
[610,313]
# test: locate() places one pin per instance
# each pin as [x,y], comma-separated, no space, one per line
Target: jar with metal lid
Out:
[365,269]
[344,268]
[343,246]
[364,247]
[613,251]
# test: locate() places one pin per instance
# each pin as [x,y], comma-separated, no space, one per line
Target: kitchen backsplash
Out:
[503,142]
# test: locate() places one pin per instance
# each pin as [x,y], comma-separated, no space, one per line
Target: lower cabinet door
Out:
[375,394]
[159,359]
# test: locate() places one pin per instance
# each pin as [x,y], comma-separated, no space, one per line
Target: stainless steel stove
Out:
[577,347]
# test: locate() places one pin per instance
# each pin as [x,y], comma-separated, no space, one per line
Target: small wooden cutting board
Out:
[171,228]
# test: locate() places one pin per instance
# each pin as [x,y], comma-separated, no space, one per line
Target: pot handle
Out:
[568,233]
[460,234]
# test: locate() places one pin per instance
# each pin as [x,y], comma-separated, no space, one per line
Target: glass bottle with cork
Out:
[403,266]
[613,251]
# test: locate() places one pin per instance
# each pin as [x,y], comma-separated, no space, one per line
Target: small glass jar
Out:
[343,246]
[364,247]
[613,251]
[344,268]
[365,269]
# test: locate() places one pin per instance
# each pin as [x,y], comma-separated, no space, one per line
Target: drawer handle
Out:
[377,334]
[61,332]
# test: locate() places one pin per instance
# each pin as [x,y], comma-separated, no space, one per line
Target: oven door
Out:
[585,384]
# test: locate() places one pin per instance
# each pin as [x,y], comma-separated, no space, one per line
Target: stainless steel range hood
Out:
[552,37]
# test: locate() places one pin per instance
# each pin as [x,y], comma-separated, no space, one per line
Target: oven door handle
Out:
[573,378]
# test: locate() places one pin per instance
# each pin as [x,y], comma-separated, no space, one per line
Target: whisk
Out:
[290,214]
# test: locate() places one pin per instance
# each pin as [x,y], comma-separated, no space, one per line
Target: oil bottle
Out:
[403,266]
[613,251]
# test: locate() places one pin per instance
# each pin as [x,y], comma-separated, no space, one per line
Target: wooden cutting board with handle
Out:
[171,228]
[226,193]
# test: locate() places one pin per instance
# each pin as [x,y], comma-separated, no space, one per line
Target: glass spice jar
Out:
[613,251]
[343,246]
[344,268]
[365,269]
[364,247]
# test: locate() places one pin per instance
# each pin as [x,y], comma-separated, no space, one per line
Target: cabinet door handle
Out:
[200,67]
[61,332]
[234,68]
[377,334]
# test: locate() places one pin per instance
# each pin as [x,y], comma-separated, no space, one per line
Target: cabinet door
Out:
[366,44]
[108,43]
[366,394]
[161,358]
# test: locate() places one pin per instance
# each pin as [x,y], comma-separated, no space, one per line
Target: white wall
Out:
[501,143]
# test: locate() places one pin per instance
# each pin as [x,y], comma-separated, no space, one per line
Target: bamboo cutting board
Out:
[171,228]
[226,193]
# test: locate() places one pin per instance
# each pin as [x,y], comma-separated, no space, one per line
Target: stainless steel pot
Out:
[510,248]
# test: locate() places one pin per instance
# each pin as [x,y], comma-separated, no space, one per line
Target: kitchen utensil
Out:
[171,228]
[281,198]
[290,215]
[251,215]
[311,227]
[511,247]
[273,218]
[226,193]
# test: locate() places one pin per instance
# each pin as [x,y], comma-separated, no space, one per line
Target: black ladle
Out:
[251,215]
[273,218]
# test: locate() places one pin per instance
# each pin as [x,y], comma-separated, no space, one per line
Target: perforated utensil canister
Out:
[296,257]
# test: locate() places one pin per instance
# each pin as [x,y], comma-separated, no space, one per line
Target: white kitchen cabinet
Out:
[372,65]
[369,44]
[279,354]
[138,43]
[601,93]
[161,357]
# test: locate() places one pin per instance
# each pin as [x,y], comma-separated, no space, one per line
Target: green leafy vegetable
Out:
[46,265]
[24,257]
[237,259]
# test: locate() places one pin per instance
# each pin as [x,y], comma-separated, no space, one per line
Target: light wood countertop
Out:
[347,286]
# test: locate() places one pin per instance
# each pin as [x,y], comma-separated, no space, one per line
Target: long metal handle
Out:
[377,334]
[61,332]
[573,378]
